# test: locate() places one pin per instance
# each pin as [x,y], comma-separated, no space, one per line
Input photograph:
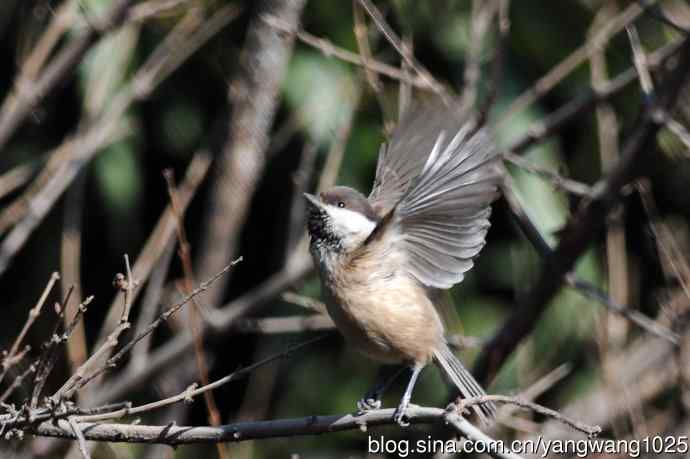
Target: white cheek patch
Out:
[349,224]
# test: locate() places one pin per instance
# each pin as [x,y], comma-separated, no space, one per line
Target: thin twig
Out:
[162,235]
[32,65]
[361,34]
[330,50]
[679,130]
[613,330]
[106,128]
[16,178]
[45,362]
[17,382]
[70,262]
[49,355]
[127,292]
[150,304]
[646,83]
[304,301]
[533,235]
[183,41]
[589,430]
[404,89]
[192,391]
[482,14]
[555,121]
[640,60]
[503,28]
[652,9]
[301,180]
[163,317]
[583,227]
[219,321]
[289,324]
[557,181]
[254,95]
[154,8]
[26,95]
[9,360]
[546,382]
[197,331]
[80,437]
[665,240]
[654,327]
[82,373]
[544,84]
[394,40]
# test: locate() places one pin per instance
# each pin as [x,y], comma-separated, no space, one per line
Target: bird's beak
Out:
[313,200]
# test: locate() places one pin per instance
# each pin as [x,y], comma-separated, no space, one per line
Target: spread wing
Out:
[438,199]
[402,159]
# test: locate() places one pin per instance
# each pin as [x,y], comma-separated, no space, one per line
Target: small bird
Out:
[385,260]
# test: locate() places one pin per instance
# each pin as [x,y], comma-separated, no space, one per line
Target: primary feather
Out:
[440,193]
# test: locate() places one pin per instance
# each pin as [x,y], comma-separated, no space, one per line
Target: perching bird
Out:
[383,260]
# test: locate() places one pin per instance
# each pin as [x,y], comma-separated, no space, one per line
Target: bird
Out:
[384,260]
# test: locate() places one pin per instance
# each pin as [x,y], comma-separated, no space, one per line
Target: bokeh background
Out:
[117,199]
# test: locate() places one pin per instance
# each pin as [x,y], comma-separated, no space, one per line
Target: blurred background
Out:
[188,87]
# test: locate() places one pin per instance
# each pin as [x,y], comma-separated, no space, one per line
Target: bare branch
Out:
[394,40]
[567,113]
[163,317]
[540,244]
[482,14]
[188,282]
[193,390]
[106,128]
[557,181]
[244,431]
[17,177]
[254,96]
[28,94]
[361,34]
[85,372]
[9,359]
[70,264]
[80,437]
[589,430]
[162,234]
[582,228]
[497,64]
[219,321]
[330,50]
[49,355]
[613,329]
[570,63]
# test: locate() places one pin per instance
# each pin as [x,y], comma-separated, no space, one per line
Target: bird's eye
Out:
[341,204]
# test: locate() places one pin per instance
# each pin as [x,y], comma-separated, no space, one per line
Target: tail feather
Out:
[464,381]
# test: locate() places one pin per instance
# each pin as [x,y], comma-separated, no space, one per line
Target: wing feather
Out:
[439,192]
[402,159]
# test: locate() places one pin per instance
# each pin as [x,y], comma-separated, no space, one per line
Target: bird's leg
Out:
[399,415]
[372,399]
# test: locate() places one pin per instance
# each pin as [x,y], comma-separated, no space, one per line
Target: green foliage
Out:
[320,92]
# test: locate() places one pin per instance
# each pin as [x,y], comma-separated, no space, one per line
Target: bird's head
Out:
[339,220]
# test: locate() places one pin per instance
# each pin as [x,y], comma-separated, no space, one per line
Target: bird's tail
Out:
[463,380]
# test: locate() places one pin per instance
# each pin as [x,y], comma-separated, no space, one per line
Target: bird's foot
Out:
[368,403]
[400,415]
